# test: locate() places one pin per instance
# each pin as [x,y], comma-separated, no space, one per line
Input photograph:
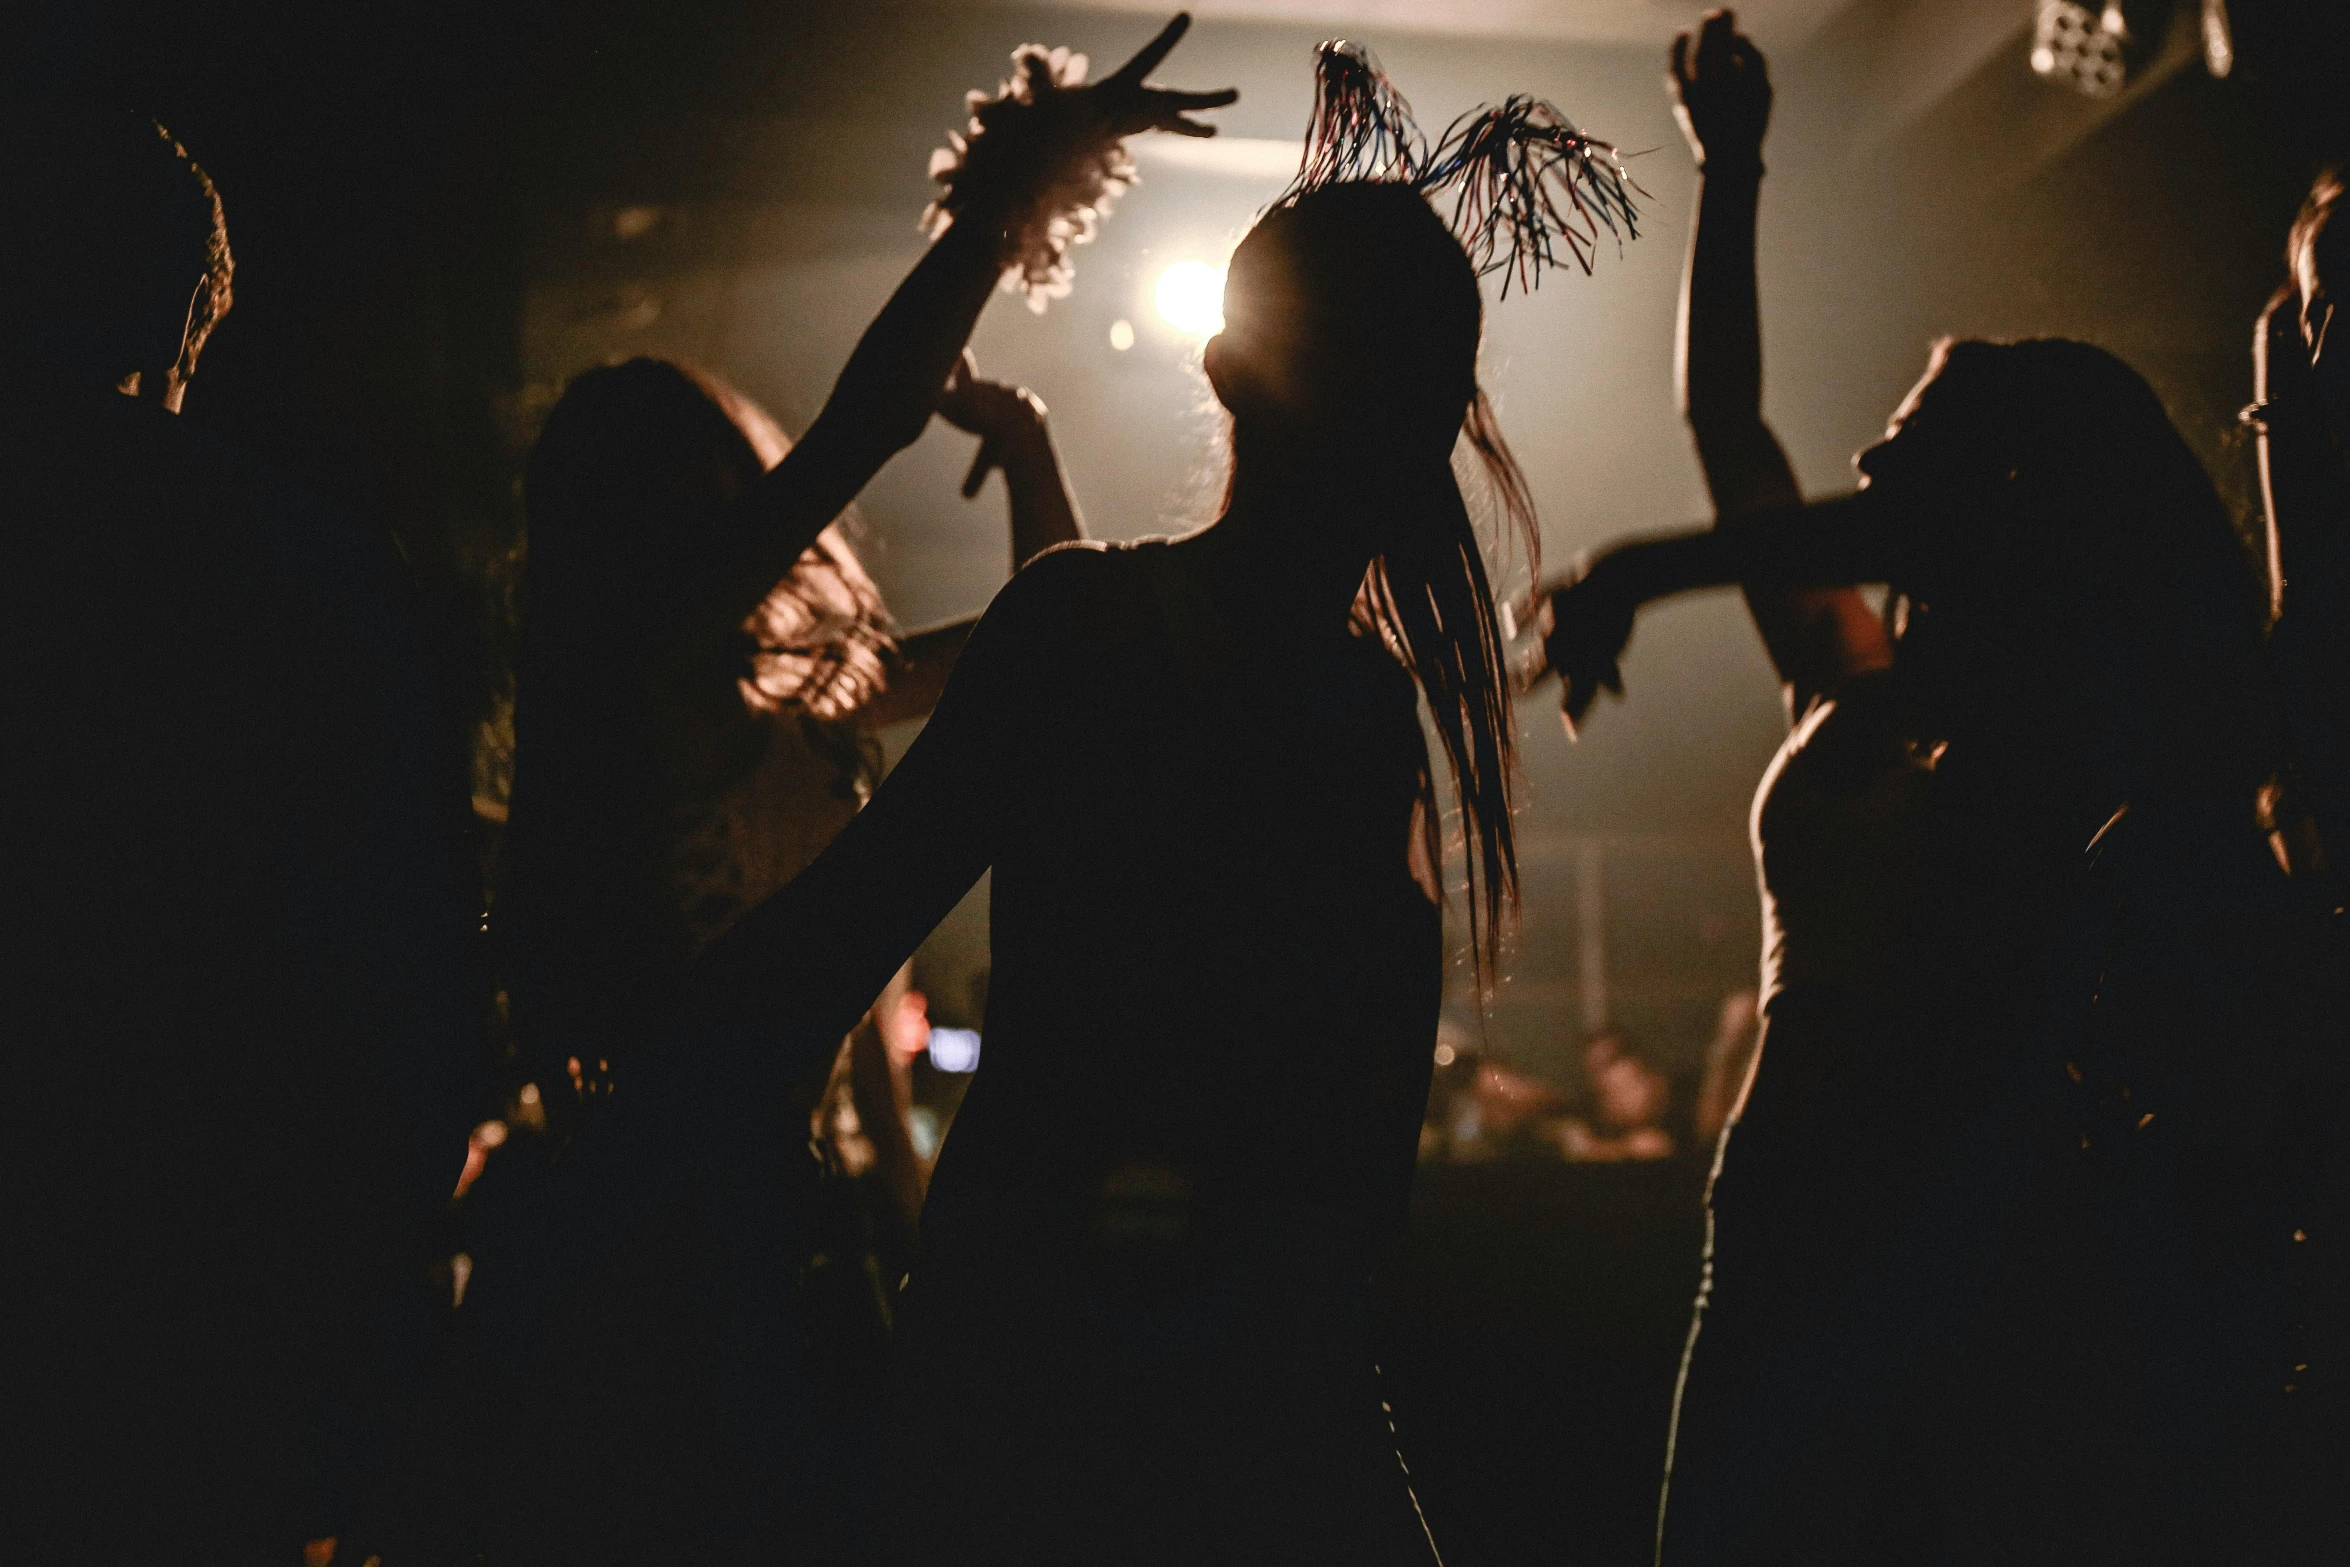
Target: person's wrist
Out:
[1031,430]
[1618,572]
[1744,164]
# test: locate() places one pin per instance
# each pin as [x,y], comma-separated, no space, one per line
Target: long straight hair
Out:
[1429,597]
[2113,559]
[1361,315]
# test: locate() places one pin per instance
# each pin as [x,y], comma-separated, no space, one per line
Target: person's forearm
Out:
[1829,543]
[1044,513]
[2305,487]
[878,407]
[1814,635]
[1718,354]
[885,393]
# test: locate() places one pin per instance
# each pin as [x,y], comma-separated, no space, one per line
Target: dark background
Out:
[440,211]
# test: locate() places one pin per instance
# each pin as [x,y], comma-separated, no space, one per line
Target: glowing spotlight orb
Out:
[1121,335]
[1190,297]
[954,1049]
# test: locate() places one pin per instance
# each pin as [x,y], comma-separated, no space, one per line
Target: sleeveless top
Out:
[1215,979]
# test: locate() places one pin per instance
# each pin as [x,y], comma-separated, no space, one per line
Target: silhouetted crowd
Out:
[2027,1203]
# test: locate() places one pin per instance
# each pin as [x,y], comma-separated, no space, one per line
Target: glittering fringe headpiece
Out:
[1525,189]
[1068,199]
[1362,128]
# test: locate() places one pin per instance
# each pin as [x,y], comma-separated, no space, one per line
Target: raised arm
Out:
[1013,436]
[771,1000]
[886,394]
[1722,97]
[1010,422]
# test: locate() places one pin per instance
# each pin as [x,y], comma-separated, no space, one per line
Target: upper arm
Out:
[781,517]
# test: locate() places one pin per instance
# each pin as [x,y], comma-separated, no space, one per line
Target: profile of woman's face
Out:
[1934,472]
[1925,456]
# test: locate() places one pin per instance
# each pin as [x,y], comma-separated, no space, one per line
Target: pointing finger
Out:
[1188,101]
[1147,58]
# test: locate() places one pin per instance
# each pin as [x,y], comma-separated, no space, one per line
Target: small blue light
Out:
[954,1049]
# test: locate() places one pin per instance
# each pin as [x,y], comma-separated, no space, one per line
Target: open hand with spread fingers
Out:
[1126,105]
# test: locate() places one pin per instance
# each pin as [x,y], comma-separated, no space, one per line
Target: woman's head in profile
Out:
[1348,362]
[2067,574]
[631,498]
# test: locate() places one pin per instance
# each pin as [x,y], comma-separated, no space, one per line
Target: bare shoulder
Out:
[1070,584]
[1070,565]
[1065,597]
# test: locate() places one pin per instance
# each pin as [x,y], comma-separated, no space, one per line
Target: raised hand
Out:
[1001,416]
[1127,106]
[1044,158]
[1721,92]
[1585,621]
[1049,114]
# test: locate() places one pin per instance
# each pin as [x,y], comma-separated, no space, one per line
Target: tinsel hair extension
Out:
[1362,128]
[1524,189]
[1525,186]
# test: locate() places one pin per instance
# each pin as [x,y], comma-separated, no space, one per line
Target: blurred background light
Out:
[1190,297]
[1265,159]
[954,1049]
[1121,334]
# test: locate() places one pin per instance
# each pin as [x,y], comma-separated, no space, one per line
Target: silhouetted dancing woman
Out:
[1139,1330]
[1935,1326]
[703,662]
[675,768]
[2301,375]
[688,741]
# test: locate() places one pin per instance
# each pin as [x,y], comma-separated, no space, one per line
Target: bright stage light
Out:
[1190,298]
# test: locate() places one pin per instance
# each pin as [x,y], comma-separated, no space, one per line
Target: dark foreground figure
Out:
[234,907]
[1140,1327]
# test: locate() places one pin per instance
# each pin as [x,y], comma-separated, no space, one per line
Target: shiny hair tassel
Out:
[1362,128]
[1524,189]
